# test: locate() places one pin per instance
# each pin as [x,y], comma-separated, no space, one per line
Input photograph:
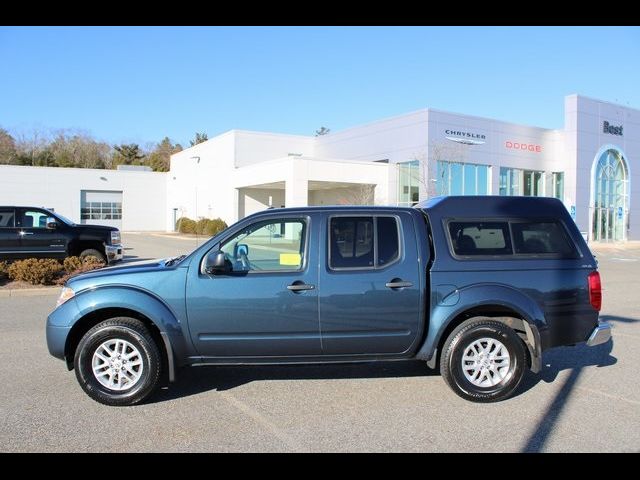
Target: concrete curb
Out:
[181,237]
[29,292]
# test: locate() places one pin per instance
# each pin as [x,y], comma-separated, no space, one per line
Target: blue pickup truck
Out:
[477,286]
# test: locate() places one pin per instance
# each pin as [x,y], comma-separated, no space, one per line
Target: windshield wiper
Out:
[173,260]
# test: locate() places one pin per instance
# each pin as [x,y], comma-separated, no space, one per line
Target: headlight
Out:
[65,295]
[115,237]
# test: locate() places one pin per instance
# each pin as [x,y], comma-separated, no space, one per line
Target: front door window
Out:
[273,245]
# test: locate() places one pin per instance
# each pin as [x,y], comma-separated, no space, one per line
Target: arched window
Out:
[611,197]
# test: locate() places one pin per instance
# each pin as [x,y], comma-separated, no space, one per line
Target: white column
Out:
[297,184]
[296,192]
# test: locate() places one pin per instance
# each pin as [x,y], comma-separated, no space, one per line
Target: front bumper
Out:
[115,253]
[601,334]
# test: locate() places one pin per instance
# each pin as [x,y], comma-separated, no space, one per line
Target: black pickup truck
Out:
[31,232]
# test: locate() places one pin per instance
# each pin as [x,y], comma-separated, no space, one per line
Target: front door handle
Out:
[398,283]
[23,233]
[300,286]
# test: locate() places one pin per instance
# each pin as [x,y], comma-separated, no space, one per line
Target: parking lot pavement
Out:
[149,245]
[585,399]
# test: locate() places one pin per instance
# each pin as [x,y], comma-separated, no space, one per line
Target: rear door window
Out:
[7,218]
[351,242]
[480,238]
[363,242]
[388,241]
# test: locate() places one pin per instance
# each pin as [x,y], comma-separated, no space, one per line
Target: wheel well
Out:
[499,313]
[78,246]
[90,320]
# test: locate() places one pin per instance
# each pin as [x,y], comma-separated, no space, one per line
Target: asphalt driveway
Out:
[585,399]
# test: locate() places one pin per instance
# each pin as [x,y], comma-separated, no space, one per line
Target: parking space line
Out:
[618,334]
[608,395]
[289,441]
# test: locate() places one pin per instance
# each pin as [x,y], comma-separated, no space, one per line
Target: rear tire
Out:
[91,252]
[117,362]
[483,360]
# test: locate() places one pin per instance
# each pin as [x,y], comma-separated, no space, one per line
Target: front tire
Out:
[118,363]
[92,252]
[483,360]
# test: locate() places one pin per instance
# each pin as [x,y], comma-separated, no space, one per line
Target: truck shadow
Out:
[565,358]
[195,380]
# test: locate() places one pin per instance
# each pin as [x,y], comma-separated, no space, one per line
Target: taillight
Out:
[595,290]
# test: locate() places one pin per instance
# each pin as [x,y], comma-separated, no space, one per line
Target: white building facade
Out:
[588,164]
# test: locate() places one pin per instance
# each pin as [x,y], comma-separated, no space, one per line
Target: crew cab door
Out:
[267,304]
[37,241]
[369,284]
[9,238]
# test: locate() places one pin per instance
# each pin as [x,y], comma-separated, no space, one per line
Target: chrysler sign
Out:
[468,138]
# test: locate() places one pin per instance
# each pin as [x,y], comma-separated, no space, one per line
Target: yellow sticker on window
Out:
[290,259]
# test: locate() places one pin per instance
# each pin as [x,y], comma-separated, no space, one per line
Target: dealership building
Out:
[394,161]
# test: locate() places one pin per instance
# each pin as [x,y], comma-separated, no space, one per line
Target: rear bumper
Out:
[601,334]
[115,253]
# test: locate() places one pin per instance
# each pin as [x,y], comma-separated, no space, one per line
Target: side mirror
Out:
[51,223]
[216,262]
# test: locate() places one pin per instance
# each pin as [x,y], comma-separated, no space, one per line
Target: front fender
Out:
[475,296]
[132,298]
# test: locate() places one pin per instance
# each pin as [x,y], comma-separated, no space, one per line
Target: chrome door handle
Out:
[398,284]
[298,287]
[23,233]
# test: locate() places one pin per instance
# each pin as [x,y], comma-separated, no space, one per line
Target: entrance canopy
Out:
[300,181]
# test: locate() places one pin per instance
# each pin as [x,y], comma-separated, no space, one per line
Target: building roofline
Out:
[273,134]
[437,110]
[602,101]
[294,158]
[112,170]
[373,122]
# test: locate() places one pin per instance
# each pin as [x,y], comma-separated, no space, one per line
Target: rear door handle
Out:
[23,233]
[397,283]
[299,286]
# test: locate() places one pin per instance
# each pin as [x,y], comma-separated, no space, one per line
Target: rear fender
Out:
[507,299]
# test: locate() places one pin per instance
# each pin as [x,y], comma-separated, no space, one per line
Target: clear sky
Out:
[131,84]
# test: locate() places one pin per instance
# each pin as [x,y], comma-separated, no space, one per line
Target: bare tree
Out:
[7,147]
[76,148]
[359,194]
[32,148]
[426,174]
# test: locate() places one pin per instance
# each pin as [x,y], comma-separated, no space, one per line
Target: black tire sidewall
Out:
[84,370]
[92,252]
[459,344]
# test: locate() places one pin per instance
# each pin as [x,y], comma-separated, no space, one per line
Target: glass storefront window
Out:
[532,183]
[456,178]
[558,185]
[514,181]
[408,183]
[482,180]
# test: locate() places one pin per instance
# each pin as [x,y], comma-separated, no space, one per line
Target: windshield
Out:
[63,218]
